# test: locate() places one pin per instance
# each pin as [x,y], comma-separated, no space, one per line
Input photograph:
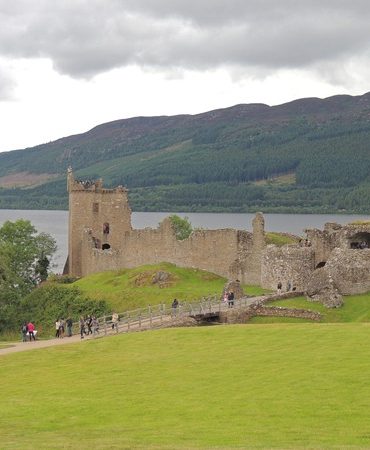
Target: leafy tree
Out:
[182,227]
[25,253]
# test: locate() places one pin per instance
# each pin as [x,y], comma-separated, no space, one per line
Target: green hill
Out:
[139,287]
[310,155]
[267,386]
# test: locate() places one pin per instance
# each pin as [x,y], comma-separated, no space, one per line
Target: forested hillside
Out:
[310,155]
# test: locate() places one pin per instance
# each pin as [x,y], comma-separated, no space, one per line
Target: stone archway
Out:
[359,241]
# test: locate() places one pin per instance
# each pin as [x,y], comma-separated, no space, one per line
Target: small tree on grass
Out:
[182,227]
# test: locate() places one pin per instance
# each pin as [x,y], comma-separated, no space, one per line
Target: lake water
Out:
[56,223]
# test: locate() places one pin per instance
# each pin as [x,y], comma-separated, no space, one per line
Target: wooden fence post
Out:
[150,316]
[105,325]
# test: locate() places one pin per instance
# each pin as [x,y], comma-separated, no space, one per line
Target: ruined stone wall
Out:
[211,250]
[323,242]
[288,263]
[350,270]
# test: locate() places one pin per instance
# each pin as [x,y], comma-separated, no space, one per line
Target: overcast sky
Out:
[68,65]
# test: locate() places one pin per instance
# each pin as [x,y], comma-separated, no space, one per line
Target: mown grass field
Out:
[269,386]
[134,288]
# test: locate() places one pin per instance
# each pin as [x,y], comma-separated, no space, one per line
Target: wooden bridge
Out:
[164,316]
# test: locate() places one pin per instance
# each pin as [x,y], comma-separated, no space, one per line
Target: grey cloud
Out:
[7,85]
[87,37]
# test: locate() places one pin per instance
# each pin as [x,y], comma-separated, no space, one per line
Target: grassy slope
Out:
[276,386]
[122,293]
[356,308]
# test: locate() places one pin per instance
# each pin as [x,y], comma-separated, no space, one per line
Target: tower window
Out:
[106,247]
[106,228]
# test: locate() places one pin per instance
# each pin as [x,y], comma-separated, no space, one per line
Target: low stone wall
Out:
[278,311]
[243,315]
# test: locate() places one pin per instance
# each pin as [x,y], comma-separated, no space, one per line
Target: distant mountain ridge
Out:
[308,155]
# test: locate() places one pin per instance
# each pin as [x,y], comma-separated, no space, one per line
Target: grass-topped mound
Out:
[128,289]
[356,308]
[277,386]
[281,239]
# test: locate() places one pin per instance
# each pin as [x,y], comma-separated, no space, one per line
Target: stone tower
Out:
[97,215]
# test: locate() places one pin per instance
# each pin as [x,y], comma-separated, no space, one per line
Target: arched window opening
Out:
[106,228]
[106,247]
[320,264]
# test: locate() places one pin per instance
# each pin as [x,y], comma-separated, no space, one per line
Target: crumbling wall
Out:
[350,270]
[211,250]
[289,263]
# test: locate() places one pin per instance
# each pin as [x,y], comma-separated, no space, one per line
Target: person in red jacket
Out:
[31,331]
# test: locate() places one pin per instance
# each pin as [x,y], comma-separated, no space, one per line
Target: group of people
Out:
[28,330]
[289,287]
[229,298]
[61,325]
[88,325]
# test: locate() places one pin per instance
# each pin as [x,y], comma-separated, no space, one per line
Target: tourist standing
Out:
[69,325]
[115,319]
[61,328]
[95,325]
[57,328]
[230,299]
[82,327]
[24,331]
[279,287]
[31,331]
[175,305]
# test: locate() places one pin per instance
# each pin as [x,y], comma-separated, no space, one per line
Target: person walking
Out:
[57,328]
[230,299]
[69,324]
[95,325]
[115,319]
[175,305]
[61,328]
[89,325]
[31,331]
[82,327]
[279,287]
[24,330]
[288,286]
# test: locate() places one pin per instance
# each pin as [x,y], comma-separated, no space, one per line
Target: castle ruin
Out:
[101,238]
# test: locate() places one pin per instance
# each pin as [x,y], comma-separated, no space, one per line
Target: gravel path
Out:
[25,346]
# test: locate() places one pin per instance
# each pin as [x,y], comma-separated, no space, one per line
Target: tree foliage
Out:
[26,253]
[181,226]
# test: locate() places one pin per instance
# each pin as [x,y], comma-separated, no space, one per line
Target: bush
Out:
[50,302]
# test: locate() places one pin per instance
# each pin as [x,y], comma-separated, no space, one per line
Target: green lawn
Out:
[356,308]
[133,288]
[296,386]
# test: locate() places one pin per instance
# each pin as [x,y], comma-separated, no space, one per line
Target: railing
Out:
[162,315]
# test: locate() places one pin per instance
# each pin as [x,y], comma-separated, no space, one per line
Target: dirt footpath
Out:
[25,346]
